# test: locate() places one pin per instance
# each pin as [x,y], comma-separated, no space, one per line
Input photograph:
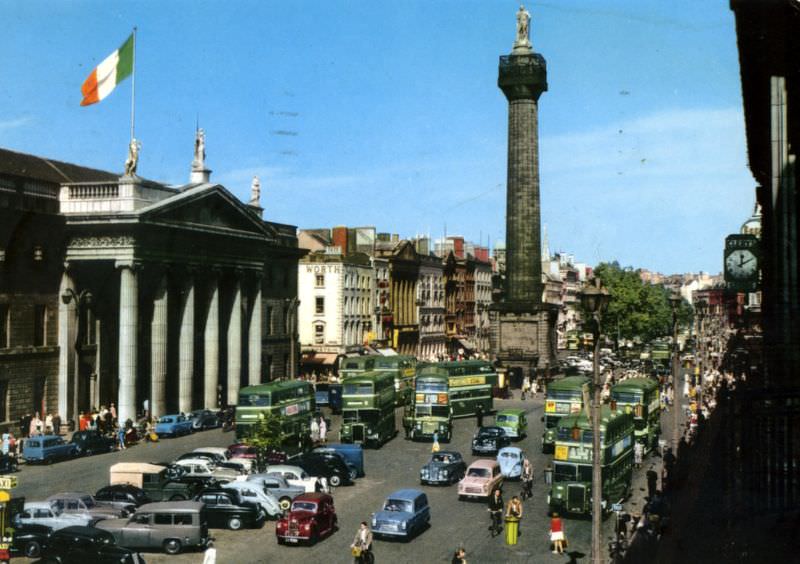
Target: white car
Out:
[250,491]
[202,468]
[245,463]
[296,476]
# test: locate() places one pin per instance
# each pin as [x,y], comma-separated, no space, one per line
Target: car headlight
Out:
[374,522]
[403,525]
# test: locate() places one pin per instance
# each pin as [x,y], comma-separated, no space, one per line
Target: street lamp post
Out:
[675,301]
[82,300]
[701,310]
[595,299]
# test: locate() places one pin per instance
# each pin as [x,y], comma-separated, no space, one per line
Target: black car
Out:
[122,494]
[90,442]
[30,539]
[226,509]
[488,440]
[8,463]
[203,419]
[324,465]
[444,467]
[78,545]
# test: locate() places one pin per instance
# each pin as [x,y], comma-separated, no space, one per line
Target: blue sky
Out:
[388,113]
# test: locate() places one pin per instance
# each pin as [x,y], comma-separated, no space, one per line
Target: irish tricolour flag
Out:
[113,70]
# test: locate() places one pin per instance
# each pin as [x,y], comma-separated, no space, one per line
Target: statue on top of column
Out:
[255,192]
[133,157]
[523,28]
[199,161]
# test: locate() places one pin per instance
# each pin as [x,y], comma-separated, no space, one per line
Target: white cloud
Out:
[13,123]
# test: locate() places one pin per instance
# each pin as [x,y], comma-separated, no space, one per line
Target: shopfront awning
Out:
[319,359]
[466,344]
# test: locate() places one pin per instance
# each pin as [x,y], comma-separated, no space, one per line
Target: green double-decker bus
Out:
[292,401]
[571,492]
[354,365]
[368,402]
[470,384]
[403,369]
[660,352]
[640,397]
[564,397]
[430,411]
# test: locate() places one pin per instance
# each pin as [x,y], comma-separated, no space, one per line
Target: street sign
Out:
[616,507]
[8,482]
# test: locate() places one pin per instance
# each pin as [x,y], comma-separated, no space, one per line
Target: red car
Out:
[311,517]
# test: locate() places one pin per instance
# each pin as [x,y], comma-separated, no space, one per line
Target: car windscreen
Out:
[167,420]
[509,455]
[444,458]
[432,410]
[304,506]
[398,505]
[88,501]
[478,472]
[506,419]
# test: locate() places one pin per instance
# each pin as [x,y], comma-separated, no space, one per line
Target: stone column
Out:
[66,343]
[254,338]
[186,347]
[211,344]
[235,344]
[128,329]
[158,350]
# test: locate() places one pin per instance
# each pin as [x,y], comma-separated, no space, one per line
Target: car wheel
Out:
[172,546]
[78,450]
[353,474]
[178,497]
[32,549]
[335,481]
[285,503]
[234,523]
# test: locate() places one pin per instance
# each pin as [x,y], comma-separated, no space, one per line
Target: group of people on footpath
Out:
[34,425]
[319,430]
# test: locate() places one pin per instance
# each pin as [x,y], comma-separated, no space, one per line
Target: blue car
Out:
[352,454]
[173,426]
[405,513]
[510,460]
[47,448]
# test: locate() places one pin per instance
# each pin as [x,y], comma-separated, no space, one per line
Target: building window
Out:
[5,324]
[319,308]
[39,325]
[3,400]
[320,280]
[319,334]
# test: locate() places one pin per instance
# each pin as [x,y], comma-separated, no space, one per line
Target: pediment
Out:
[406,251]
[214,209]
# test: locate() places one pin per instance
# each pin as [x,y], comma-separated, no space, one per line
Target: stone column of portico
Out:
[128,330]
[235,343]
[186,347]
[66,341]
[254,338]
[211,342]
[158,350]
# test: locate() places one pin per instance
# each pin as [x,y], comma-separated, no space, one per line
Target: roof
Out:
[568,382]
[512,411]
[509,449]
[582,421]
[49,170]
[483,463]
[405,493]
[313,496]
[635,384]
[63,495]
[171,506]
[136,468]
[450,452]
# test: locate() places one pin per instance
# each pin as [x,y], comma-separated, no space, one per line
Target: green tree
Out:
[267,435]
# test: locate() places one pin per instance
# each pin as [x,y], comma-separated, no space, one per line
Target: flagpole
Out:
[133,86]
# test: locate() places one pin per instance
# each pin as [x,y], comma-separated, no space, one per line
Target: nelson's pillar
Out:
[523,327]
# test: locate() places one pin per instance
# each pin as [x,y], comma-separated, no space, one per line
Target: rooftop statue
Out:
[133,157]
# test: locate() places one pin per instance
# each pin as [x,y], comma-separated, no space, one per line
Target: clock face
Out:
[741,263]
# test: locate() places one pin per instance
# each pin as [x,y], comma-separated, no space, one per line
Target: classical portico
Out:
[175,278]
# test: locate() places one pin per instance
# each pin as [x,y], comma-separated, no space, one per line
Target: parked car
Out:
[83,503]
[224,457]
[87,544]
[203,419]
[296,476]
[253,492]
[353,455]
[325,465]
[203,468]
[511,460]
[311,516]
[154,480]
[121,495]
[173,426]
[225,508]
[8,463]
[277,486]
[513,422]
[481,478]
[488,440]
[405,513]
[215,460]
[242,451]
[28,540]
[444,467]
[47,449]
[49,515]
[90,442]
[170,526]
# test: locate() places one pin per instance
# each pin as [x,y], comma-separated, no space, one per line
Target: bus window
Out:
[423,386]
[432,410]
[565,472]
[254,400]
[363,389]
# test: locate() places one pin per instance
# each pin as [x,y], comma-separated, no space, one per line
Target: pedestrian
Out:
[557,537]
[121,437]
[435,446]
[210,555]
[362,545]
[527,479]
[535,386]
[34,425]
[638,452]
[496,506]
[56,424]
[479,415]
[548,474]
[323,430]
[652,482]
[48,423]
[459,556]
[113,411]
[526,384]
[23,425]
[513,519]
[314,430]
[6,441]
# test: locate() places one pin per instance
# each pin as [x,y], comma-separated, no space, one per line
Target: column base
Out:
[524,338]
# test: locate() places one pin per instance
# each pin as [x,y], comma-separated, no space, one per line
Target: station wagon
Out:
[482,477]
[513,422]
[47,448]
[404,513]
